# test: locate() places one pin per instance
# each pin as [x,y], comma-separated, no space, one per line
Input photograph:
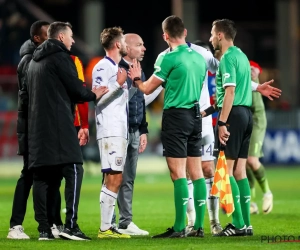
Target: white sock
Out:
[212,202]
[190,212]
[107,206]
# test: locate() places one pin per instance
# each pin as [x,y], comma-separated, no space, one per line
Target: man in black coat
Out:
[53,89]
[38,34]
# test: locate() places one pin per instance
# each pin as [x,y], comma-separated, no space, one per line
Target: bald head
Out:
[131,38]
[135,47]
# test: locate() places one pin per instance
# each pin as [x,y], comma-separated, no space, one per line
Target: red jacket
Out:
[81,109]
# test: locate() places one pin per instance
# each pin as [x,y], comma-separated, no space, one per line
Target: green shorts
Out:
[256,142]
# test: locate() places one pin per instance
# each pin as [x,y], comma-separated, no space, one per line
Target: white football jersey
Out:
[112,108]
[212,65]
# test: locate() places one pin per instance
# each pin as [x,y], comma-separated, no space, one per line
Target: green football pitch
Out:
[154,211]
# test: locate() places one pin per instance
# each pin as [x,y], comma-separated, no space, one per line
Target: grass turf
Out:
[154,211]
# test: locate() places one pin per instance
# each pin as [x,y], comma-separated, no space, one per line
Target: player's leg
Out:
[199,193]
[191,214]
[125,195]
[238,122]
[260,175]
[211,201]
[255,152]
[113,156]
[240,170]
[251,179]
[194,169]
[208,167]
[16,230]
[177,125]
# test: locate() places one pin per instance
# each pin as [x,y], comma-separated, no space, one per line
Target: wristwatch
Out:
[136,79]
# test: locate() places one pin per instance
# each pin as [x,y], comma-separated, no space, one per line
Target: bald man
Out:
[137,140]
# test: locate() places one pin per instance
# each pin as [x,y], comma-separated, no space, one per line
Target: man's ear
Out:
[220,36]
[185,32]
[61,37]
[36,39]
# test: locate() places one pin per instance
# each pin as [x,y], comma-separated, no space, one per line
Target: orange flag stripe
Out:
[221,187]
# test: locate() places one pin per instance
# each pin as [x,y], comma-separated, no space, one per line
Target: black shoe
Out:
[249,231]
[46,235]
[196,233]
[73,234]
[78,234]
[231,230]
[171,234]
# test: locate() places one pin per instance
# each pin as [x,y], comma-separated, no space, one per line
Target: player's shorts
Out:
[256,141]
[240,128]
[181,133]
[113,151]
[208,142]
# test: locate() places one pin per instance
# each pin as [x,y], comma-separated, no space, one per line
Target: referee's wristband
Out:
[210,110]
[220,123]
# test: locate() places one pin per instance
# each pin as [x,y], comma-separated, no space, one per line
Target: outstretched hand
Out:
[266,90]
[135,69]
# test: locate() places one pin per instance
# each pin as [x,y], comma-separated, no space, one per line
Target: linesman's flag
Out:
[221,187]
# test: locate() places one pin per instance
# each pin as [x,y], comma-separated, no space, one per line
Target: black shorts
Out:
[181,133]
[240,128]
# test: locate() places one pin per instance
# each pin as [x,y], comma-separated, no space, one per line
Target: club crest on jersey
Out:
[119,161]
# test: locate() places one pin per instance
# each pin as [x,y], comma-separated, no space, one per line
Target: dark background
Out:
[145,17]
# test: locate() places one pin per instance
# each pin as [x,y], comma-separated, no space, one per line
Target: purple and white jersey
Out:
[112,109]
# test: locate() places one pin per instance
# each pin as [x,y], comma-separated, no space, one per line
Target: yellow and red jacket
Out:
[81,109]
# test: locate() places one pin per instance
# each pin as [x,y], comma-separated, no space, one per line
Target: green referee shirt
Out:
[183,71]
[234,70]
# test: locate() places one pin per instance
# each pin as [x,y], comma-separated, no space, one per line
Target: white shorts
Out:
[113,151]
[208,142]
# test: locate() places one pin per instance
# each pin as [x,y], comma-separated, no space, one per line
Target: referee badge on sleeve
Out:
[119,161]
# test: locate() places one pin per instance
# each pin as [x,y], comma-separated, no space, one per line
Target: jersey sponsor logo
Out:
[112,152]
[201,202]
[99,79]
[118,161]
[185,201]
[100,69]
[157,69]
[225,76]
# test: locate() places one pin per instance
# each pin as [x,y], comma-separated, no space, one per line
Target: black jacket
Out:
[26,52]
[53,89]
[137,109]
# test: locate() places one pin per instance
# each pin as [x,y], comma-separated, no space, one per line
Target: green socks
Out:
[260,176]
[199,201]
[245,196]
[237,216]
[181,198]
[251,180]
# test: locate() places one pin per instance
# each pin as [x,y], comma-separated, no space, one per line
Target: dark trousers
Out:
[21,195]
[46,183]
[22,191]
